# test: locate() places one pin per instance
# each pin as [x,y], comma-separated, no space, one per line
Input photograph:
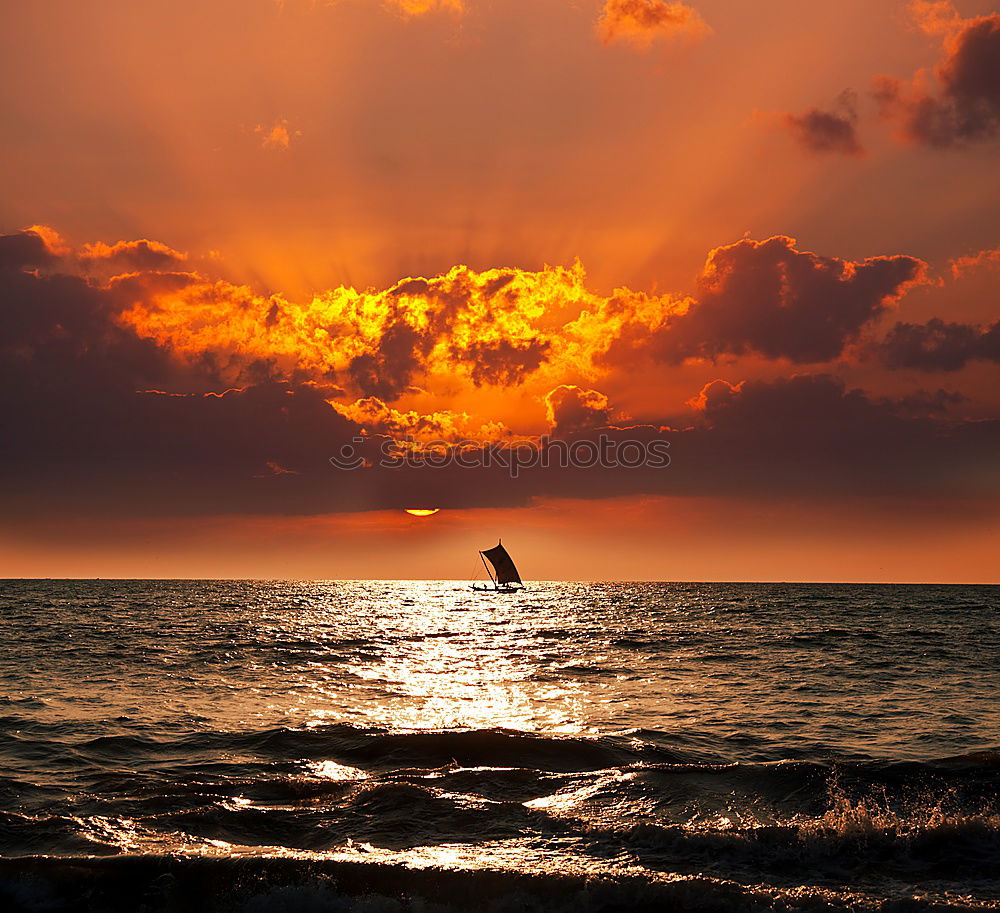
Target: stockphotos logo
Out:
[515,456]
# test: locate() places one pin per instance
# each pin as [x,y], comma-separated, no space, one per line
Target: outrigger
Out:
[503,573]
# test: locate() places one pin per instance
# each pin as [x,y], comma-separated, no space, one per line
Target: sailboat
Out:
[503,573]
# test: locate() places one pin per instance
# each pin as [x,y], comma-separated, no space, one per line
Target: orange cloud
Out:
[276,137]
[54,242]
[642,21]
[375,417]
[985,258]
[499,327]
[419,7]
[465,334]
[936,17]
[471,355]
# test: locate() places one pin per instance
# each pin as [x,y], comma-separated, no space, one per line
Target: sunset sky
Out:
[238,235]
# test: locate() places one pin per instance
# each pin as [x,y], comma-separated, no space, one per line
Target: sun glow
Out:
[422,511]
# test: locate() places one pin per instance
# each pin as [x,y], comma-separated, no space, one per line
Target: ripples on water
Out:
[693,746]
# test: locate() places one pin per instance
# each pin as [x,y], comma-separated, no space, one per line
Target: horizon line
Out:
[795,582]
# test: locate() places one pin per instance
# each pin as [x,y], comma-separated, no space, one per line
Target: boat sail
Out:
[504,572]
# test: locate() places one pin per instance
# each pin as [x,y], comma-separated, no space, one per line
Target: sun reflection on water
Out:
[430,657]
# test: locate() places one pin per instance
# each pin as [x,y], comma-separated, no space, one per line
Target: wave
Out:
[374,749]
[852,844]
[275,885]
[640,801]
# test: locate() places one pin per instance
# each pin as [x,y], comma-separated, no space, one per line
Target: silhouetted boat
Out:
[503,572]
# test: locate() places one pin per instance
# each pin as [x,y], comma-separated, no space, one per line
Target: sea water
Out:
[391,746]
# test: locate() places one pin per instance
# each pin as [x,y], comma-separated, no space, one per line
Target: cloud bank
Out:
[163,391]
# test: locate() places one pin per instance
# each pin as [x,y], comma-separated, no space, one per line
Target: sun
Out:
[422,511]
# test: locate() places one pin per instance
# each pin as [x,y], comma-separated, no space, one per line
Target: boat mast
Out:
[488,571]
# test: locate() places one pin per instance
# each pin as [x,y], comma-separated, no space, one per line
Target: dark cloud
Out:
[770,299]
[388,371]
[811,435]
[834,130]
[84,428]
[131,255]
[819,405]
[572,409]
[23,250]
[155,453]
[965,106]
[939,346]
[924,403]
[58,337]
[501,361]
[805,437]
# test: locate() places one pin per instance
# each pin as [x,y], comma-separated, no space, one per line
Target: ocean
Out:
[415,746]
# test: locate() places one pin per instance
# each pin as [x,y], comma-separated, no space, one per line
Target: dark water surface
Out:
[392,746]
